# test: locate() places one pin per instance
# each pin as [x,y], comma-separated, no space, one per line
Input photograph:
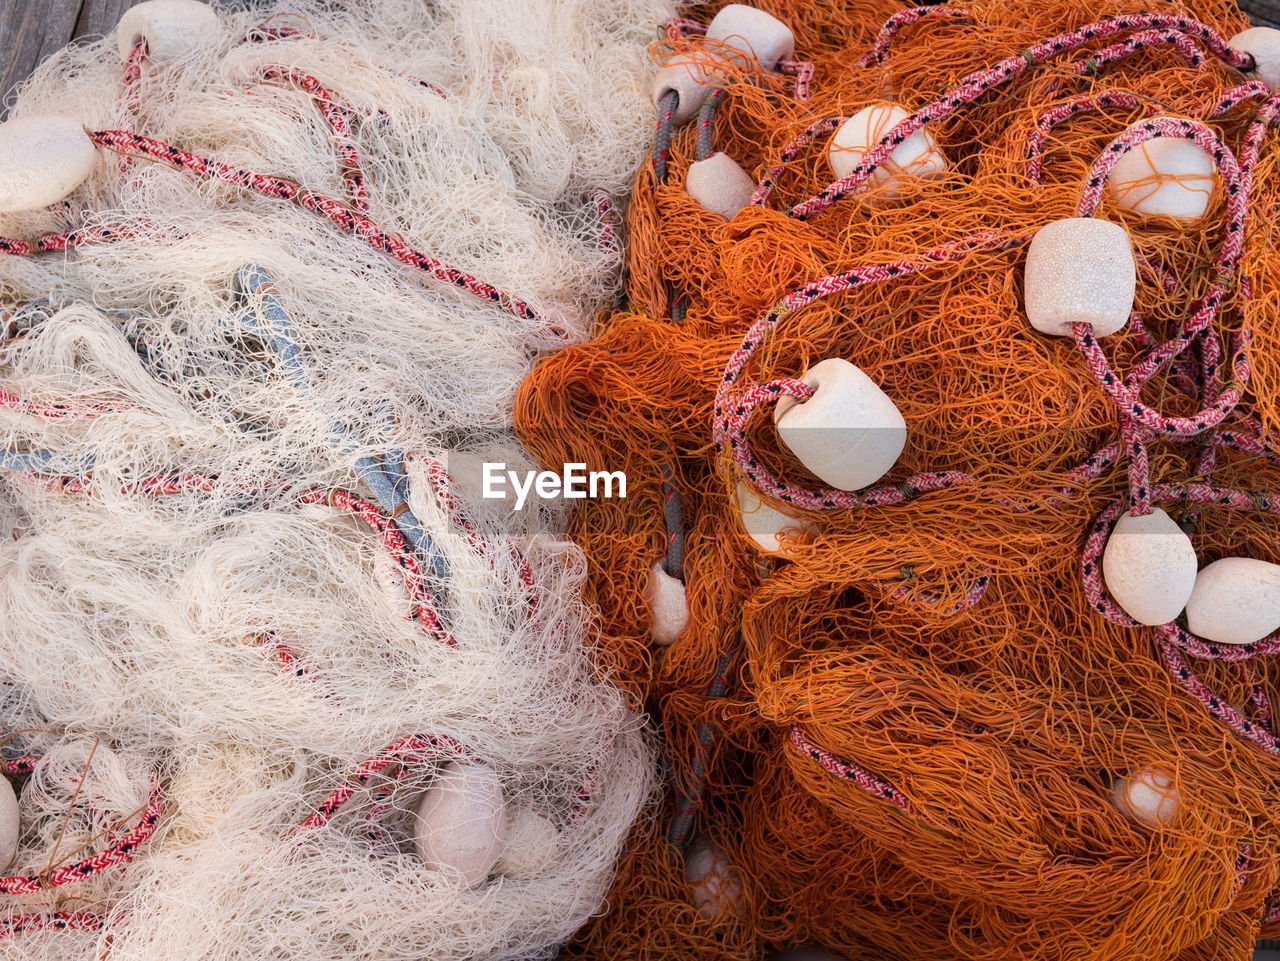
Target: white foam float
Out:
[917,156]
[1148,795]
[530,844]
[1079,270]
[849,433]
[461,822]
[763,523]
[172,29]
[10,825]
[1236,600]
[1263,44]
[1149,566]
[715,888]
[1166,176]
[746,30]
[719,185]
[668,604]
[42,160]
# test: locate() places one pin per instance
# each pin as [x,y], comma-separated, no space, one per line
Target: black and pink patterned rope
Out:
[70,239]
[338,119]
[1151,29]
[120,851]
[382,773]
[50,921]
[334,211]
[905,18]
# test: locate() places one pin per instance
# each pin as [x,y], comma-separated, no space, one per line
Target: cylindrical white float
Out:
[171,28]
[849,433]
[1263,44]
[530,844]
[10,826]
[1164,177]
[715,888]
[1079,270]
[461,822]
[747,31]
[1147,795]
[1236,600]
[1150,567]
[719,185]
[763,523]
[42,160]
[917,156]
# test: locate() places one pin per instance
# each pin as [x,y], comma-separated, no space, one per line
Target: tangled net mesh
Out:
[246,612]
[940,650]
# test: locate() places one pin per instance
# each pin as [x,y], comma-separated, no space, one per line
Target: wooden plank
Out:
[1263,13]
[99,17]
[29,32]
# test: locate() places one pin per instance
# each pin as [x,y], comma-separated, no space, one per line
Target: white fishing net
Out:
[221,638]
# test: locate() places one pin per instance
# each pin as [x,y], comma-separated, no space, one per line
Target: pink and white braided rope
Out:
[974,85]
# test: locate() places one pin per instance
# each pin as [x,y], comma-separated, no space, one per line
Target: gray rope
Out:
[706,114]
[662,134]
[673,515]
[689,800]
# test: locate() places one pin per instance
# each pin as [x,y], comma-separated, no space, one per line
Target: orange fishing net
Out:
[983,740]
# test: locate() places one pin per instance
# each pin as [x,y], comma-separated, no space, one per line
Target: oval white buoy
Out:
[1150,567]
[10,827]
[42,160]
[1166,176]
[763,522]
[1147,795]
[747,30]
[1263,44]
[1236,600]
[668,605]
[849,433]
[530,844]
[171,28]
[719,185]
[763,36]
[714,885]
[917,156]
[1079,270]
[462,821]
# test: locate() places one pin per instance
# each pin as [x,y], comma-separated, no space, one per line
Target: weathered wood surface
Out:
[30,30]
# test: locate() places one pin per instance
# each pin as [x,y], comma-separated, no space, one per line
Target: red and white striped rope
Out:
[119,852]
[50,921]
[409,750]
[849,771]
[67,240]
[337,118]
[442,485]
[974,85]
[904,18]
[334,211]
